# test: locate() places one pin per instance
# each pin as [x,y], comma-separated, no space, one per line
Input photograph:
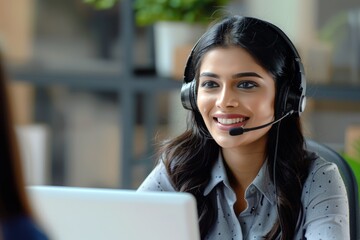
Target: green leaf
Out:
[190,11]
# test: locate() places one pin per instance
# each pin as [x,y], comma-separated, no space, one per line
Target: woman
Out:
[16,218]
[243,155]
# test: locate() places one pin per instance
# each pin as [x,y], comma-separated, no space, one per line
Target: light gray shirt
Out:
[324,200]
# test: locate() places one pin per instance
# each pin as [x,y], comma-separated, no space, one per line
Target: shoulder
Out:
[323,184]
[157,180]
[320,164]
[324,176]
[325,202]
[22,228]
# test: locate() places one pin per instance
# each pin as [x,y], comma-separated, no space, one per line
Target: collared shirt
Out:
[324,201]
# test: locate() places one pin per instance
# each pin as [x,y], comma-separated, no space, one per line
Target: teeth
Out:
[227,121]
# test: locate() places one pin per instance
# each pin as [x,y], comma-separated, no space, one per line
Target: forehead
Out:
[229,58]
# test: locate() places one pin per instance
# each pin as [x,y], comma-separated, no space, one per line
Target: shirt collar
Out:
[218,174]
[264,184]
[262,181]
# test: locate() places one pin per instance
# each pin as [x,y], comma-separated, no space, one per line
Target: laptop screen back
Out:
[72,213]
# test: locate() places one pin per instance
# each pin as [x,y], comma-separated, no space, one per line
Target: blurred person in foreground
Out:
[17,220]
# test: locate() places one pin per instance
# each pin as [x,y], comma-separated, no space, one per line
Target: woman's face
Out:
[235,91]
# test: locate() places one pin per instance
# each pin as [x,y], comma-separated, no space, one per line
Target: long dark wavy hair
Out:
[189,157]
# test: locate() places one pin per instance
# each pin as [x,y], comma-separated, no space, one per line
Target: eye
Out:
[209,84]
[247,84]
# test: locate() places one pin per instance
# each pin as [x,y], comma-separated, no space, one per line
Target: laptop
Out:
[74,213]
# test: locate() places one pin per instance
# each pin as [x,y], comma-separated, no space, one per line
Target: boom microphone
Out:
[241,130]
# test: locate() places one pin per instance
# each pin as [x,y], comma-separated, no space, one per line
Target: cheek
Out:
[266,103]
[204,105]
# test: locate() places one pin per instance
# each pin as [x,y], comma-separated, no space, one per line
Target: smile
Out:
[231,120]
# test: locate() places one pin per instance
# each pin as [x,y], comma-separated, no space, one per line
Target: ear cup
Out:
[188,95]
[294,98]
[188,89]
[302,99]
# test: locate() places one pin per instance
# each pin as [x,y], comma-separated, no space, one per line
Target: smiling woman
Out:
[261,182]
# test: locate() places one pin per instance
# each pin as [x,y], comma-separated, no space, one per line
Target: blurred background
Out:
[95,84]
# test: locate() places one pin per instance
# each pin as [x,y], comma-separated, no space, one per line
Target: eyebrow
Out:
[237,75]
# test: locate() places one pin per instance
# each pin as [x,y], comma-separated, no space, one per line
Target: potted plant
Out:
[176,23]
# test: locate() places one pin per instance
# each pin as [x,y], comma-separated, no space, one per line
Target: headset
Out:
[292,98]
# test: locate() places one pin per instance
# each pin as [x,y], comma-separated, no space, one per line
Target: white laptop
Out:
[72,213]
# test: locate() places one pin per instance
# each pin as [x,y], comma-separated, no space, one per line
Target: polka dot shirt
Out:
[324,202]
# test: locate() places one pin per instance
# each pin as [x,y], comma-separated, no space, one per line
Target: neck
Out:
[241,172]
[244,163]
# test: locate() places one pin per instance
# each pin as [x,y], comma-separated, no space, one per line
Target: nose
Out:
[227,99]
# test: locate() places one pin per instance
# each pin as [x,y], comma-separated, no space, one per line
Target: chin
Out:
[227,142]
[247,139]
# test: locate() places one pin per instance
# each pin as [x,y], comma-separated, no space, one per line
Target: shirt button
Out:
[252,189]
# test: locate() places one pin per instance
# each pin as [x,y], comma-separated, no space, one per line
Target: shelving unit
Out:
[127,85]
